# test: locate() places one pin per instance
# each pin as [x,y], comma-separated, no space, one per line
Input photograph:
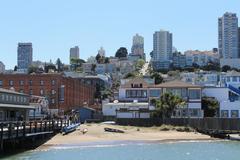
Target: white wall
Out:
[227,105]
[109,110]
[195,105]
[122,93]
[221,94]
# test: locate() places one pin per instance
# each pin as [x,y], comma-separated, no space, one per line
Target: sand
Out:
[96,133]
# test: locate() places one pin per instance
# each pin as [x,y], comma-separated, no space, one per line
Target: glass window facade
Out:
[224,113]
[194,94]
[234,113]
[136,93]
[155,93]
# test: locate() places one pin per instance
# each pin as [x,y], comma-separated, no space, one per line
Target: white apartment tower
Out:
[162,46]
[162,55]
[228,36]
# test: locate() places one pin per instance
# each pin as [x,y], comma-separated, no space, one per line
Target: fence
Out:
[220,124]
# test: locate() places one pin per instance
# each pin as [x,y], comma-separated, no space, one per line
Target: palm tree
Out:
[167,104]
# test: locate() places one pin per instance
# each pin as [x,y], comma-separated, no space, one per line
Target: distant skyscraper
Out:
[138,45]
[101,52]
[25,53]
[162,49]
[2,67]
[239,41]
[228,36]
[74,53]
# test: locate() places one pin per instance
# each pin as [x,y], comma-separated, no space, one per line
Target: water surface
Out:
[208,150]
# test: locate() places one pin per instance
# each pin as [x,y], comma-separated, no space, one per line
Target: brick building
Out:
[64,93]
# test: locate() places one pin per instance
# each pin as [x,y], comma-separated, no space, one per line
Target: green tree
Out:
[130,75]
[59,65]
[15,68]
[93,67]
[139,64]
[106,60]
[226,68]
[157,77]
[121,52]
[210,106]
[167,104]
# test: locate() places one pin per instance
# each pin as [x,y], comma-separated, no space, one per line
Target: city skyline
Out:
[53,32]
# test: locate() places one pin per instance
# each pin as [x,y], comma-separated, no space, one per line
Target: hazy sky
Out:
[53,26]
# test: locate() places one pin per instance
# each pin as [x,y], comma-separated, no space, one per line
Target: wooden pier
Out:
[23,130]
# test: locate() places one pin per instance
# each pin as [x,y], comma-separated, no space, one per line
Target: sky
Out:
[53,26]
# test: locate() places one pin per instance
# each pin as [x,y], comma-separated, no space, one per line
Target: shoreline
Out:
[97,135]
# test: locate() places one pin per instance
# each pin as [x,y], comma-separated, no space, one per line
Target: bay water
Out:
[120,150]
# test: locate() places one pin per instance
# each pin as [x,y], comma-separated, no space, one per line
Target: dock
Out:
[24,130]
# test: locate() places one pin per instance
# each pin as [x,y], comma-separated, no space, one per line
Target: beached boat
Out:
[70,128]
[113,130]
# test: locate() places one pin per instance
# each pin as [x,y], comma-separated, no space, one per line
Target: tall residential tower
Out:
[74,53]
[228,36]
[162,49]
[25,54]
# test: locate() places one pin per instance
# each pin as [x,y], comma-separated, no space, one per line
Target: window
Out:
[228,79]
[18,99]
[41,82]
[234,114]
[30,82]
[21,99]
[6,97]
[1,116]
[194,94]
[25,100]
[53,101]
[1,83]
[53,82]
[136,94]
[21,90]
[224,113]
[62,91]
[41,92]
[11,83]
[10,98]
[31,92]
[14,99]
[21,82]
[53,92]
[234,79]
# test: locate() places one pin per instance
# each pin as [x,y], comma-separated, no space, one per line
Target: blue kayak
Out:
[70,128]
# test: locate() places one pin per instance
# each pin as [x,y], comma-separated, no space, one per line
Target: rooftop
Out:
[176,84]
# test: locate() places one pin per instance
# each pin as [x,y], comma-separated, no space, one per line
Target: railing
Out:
[19,129]
[234,89]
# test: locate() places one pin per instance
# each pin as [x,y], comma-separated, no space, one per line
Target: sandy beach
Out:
[96,133]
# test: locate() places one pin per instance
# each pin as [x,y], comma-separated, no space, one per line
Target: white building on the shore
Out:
[127,110]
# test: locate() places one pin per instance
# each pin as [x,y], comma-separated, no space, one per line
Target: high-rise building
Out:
[2,67]
[74,53]
[25,53]
[162,49]
[101,52]
[239,41]
[138,45]
[228,36]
